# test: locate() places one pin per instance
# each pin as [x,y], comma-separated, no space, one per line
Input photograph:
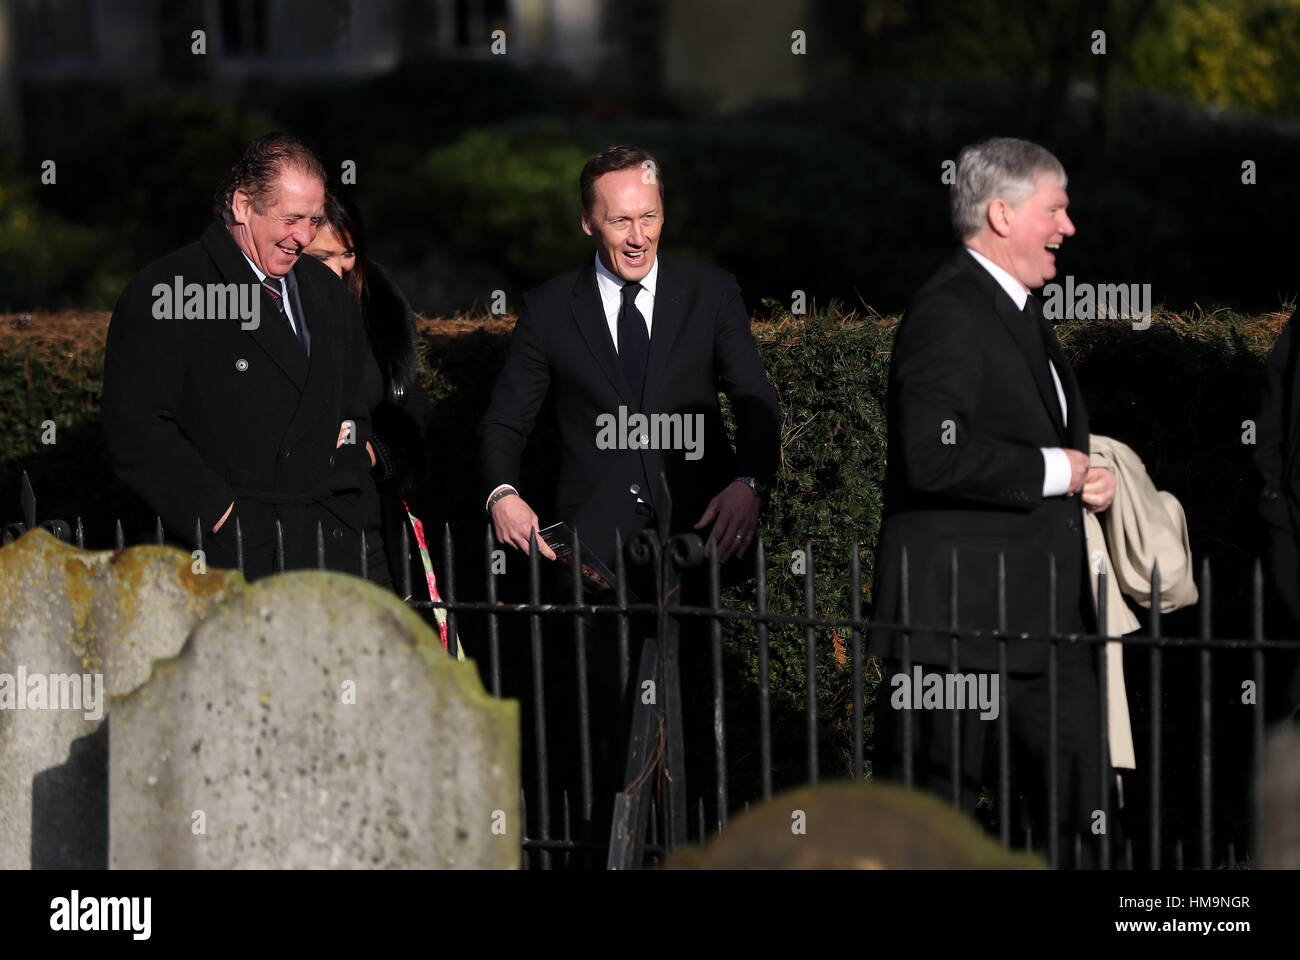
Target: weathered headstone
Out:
[1278,796]
[313,721]
[851,826]
[75,627]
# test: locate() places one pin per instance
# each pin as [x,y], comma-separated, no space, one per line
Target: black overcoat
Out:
[199,412]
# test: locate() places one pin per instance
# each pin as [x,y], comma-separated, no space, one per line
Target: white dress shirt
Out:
[284,293]
[611,297]
[1056,465]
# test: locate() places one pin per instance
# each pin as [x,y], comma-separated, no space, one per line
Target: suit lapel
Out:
[589,315]
[1021,327]
[1076,431]
[306,301]
[299,315]
[273,334]
[310,305]
[1042,353]
[665,326]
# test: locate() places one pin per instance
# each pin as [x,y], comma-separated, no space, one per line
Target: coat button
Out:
[241,364]
[634,489]
[336,533]
[285,454]
[331,459]
[1072,524]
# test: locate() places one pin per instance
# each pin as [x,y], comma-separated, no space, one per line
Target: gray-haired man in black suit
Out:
[988,459]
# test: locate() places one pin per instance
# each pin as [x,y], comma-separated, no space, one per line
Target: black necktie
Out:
[1050,345]
[272,288]
[633,341]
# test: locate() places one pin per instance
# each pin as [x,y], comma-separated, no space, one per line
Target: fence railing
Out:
[651,811]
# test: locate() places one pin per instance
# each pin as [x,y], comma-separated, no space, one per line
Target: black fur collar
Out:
[390,324]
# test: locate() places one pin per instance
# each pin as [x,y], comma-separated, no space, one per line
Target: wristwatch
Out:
[760,489]
[501,495]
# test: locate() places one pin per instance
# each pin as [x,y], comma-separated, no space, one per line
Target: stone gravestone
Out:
[313,721]
[853,826]
[1278,801]
[75,627]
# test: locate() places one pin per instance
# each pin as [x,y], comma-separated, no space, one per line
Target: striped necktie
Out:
[273,290]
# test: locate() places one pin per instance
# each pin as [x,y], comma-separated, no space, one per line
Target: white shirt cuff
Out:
[1056,472]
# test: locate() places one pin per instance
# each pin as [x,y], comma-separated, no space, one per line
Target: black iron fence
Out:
[573,825]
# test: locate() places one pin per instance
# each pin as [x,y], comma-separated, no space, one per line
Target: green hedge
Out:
[45,258]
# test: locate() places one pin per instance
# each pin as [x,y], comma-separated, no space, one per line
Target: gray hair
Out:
[259,170]
[1000,168]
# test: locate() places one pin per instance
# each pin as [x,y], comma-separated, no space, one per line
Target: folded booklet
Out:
[559,537]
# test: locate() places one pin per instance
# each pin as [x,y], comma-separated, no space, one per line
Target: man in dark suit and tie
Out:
[230,370]
[987,464]
[634,332]
[650,333]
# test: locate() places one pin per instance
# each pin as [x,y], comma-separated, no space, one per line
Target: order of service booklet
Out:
[559,537]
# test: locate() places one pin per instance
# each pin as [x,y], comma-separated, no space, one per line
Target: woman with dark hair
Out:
[390,388]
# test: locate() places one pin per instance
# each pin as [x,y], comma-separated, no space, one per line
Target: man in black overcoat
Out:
[230,377]
[987,464]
